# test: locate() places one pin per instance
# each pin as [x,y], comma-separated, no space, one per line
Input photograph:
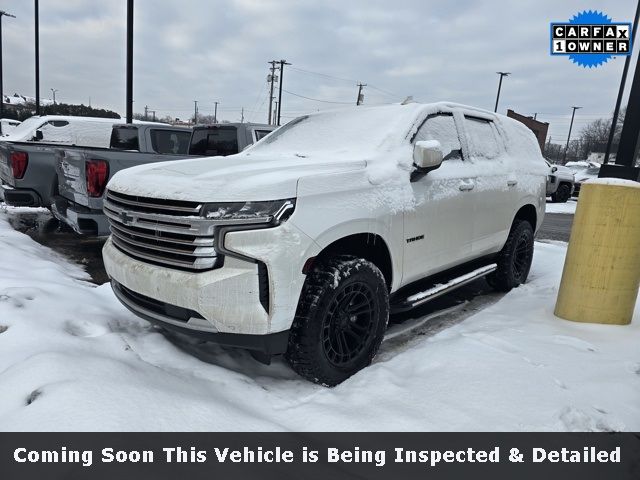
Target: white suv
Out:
[303,243]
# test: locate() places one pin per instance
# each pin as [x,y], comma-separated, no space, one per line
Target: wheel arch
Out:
[370,246]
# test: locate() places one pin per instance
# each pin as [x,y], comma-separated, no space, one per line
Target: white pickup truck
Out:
[303,243]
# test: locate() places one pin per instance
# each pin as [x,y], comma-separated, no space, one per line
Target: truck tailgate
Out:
[5,167]
[72,182]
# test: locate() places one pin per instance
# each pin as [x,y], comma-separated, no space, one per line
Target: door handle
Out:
[466,186]
[512,183]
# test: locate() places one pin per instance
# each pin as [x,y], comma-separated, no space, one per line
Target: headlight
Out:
[275,211]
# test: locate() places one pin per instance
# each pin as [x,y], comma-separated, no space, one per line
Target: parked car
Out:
[8,125]
[559,183]
[82,174]
[583,171]
[27,156]
[303,243]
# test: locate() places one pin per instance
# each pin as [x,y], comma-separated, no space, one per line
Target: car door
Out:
[495,186]
[438,230]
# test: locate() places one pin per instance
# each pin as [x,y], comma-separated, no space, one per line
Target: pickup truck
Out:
[303,243]
[560,182]
[27,155]
[82,174]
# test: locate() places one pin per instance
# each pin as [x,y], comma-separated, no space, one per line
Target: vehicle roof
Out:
[235,124]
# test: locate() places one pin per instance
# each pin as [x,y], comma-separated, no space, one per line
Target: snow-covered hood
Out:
[241,177]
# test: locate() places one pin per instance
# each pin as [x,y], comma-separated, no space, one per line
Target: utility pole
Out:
[282,64]
[2,14]
[154,114]
[195,112]
[53,91]
[573,114]
[129,61]
[623,81]
[360,98]
[215,113]
[535,116]
[502,74]
[242,116]
[271,78]
[275,110]
[37,42]
[146,112]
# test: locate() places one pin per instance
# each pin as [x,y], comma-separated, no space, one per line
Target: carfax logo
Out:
[590,38]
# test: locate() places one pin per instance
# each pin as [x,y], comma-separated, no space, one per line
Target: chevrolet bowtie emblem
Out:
[125,218]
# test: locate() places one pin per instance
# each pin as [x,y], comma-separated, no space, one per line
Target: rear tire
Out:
[514,260]
[562,195]
[340,321]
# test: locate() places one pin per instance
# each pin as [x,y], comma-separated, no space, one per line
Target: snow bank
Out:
[72,358]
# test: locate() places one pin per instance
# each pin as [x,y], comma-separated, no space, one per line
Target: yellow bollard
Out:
[601,273]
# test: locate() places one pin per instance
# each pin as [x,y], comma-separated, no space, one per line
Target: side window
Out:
[56,131]
[482,138]
[170,141]
[441,127]
[260,134]
[214,141]
[125,139]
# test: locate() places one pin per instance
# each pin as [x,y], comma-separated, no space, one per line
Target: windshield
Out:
[27,127]
[355,129]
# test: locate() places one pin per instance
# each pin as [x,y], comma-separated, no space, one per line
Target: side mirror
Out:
[554,169]
[39,136]
[427,155]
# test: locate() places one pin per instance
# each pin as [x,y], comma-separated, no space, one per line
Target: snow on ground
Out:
[568,207]
[71,358]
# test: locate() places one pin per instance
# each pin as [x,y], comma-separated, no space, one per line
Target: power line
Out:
[315,99]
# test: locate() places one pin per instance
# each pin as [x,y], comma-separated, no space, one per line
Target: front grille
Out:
[162,232]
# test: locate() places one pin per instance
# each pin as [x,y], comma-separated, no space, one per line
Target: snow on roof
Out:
[618,182]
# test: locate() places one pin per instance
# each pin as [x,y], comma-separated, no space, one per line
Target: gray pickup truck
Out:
[27,167]
[84,173]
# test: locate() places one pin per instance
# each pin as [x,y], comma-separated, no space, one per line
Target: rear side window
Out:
[441,127]
[125,139]
[260,134]
[170,141]
[214,141]
[482,138]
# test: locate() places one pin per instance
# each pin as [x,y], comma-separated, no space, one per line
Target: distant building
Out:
[539,129]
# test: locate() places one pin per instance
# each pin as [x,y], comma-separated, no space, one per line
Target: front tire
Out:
[514,260]
[562,195]
[340,321]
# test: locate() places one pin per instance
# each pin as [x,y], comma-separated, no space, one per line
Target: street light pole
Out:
[282,64]
[37,42]
[215,113]
[573,114]
[2,14]
[502,74]
[129,61]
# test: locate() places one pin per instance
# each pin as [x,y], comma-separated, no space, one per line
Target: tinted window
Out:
[214,141]
[58,123]
[261,134]
[125,139]
[482,139]
[170,141]
[441,127]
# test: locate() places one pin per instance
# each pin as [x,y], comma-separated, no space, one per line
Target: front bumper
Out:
[21,197]
[82,220]
[229,299]
[176,319]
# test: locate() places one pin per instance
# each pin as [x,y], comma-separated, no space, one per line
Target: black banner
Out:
[318,455]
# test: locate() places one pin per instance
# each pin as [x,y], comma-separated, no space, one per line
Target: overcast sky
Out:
[210,50]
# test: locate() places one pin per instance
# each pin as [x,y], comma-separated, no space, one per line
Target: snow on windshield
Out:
[27,127]
[354,129]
